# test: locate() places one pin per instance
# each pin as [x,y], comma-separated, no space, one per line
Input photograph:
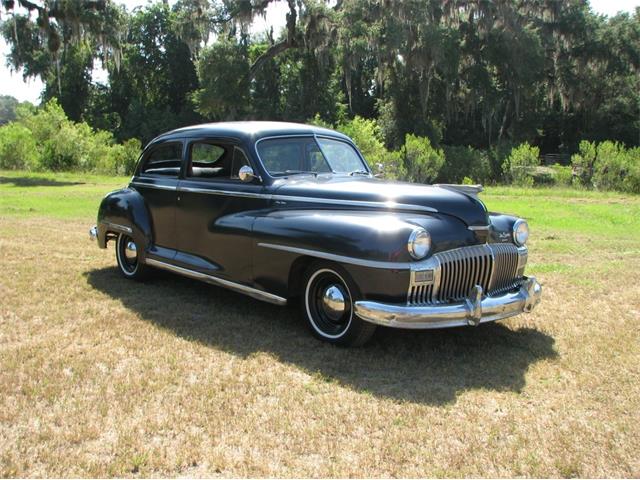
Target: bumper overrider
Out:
[474,310]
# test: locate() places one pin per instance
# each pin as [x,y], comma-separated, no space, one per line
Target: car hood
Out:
[388,195]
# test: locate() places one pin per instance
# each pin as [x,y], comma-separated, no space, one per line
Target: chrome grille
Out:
[495,267]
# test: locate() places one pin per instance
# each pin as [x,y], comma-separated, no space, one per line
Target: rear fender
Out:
[125,211]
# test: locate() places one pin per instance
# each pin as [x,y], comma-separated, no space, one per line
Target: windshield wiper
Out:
[359,172]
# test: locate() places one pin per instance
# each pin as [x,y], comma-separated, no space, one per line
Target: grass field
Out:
[104,377]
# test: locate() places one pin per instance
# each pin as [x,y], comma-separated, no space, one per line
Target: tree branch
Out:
[271,52]
[282,46]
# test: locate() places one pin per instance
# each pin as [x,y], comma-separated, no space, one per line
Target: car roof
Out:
[248,131]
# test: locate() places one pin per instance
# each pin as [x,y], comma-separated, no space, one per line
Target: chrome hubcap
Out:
[131,252]
[333,302]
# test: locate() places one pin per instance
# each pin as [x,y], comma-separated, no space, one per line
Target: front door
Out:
[215,210]
[157,182]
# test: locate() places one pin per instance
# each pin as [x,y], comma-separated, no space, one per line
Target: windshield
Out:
[290,155]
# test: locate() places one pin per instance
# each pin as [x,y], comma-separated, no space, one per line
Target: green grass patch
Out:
[58,195]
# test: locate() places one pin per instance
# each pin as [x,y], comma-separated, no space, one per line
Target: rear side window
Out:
[164,160]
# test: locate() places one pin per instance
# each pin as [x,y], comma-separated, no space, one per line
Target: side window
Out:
[210,160]
[215,161]
[164,160]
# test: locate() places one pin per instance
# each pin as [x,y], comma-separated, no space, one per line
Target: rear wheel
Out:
[128,258]
[328,306]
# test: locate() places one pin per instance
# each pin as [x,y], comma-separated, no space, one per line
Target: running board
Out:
[250,291]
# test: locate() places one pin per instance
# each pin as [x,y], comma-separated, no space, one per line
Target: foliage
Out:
[608,166]
[223,71]
[452,72]
[421,160]
[46,139]
[8,106]
[465,162]
[18,150]
[519,166]
[562,175]
[366,135]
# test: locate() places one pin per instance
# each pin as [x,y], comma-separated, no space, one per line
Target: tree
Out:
[8,106]
[58,41]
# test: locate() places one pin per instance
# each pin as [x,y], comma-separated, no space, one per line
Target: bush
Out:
[464,162]
[583,162]
[562,175]
[631,183]
[18,149]
[366,135]
[421,161]
[46,139]
[519,167]
[608,166]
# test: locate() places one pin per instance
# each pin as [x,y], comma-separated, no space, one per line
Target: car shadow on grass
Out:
[37,182]
[429,367]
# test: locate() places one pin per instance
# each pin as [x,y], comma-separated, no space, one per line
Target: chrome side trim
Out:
[250,291]
[229,193]
[357,203]
[116,226]
[341,258]
[473,310]
[153,185]
[476,228]
[267,196]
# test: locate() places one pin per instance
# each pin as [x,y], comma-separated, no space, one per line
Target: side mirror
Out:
[380,170]
[245,174]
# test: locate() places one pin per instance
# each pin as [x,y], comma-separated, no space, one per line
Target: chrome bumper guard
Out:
[93,232]
[474,310]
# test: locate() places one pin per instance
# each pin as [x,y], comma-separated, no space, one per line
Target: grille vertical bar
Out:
[492,266]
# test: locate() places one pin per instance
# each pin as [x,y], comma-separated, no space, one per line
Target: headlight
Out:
[520,232]
[419,243]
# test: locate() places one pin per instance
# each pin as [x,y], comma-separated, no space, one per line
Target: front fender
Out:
[372,246]
[125,208]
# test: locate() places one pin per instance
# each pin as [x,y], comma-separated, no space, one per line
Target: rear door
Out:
[157,181]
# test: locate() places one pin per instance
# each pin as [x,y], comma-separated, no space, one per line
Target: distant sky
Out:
[11,83]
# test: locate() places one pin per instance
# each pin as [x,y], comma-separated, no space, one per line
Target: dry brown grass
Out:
[100,376]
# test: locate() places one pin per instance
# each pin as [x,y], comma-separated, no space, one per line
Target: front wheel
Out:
[128,258]
[328,306]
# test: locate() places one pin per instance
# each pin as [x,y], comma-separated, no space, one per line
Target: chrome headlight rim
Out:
[516,232]
[419,243]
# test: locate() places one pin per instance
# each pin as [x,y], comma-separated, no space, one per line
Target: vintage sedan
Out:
[282,211]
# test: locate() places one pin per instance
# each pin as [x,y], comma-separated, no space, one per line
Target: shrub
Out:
[562,175]
[608,166]
[122,159]
[631,183]
[583,162]
[366,135]
[18,149]
[519,167]
[421,161]
[464,162]
[57,144]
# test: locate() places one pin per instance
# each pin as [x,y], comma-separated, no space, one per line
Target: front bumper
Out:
[474,310]
[93,233]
